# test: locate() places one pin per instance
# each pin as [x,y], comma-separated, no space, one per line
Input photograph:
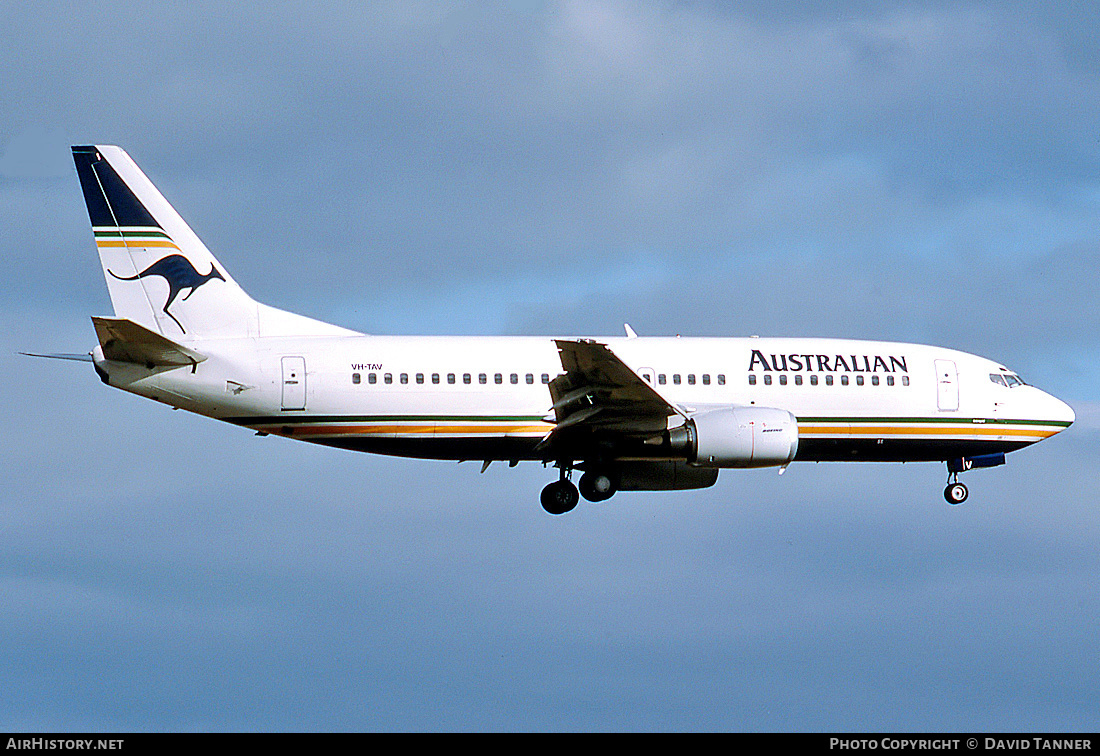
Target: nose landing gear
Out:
[956,492]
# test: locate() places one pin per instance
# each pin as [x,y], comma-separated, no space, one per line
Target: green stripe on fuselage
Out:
[930,420]
[300,419]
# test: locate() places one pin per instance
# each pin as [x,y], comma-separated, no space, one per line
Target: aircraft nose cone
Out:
[1065,413]
[1057,411]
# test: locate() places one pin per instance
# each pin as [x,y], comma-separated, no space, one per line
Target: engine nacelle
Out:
[740,437]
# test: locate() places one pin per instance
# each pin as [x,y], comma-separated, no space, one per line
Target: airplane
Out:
[631,413]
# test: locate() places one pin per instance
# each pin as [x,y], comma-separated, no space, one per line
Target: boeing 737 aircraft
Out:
[631,413]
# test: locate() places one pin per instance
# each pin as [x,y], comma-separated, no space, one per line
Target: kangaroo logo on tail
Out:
[180,274]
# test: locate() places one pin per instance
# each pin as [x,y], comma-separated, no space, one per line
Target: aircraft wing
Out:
[601,397]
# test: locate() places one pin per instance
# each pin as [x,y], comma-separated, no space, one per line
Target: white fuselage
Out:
[485,398]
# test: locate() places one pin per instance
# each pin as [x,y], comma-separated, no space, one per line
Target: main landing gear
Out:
[562,496]
[597,486]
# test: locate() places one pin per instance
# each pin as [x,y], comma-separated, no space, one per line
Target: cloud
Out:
[166,570]
[31,155]
[508,141]
[918,171]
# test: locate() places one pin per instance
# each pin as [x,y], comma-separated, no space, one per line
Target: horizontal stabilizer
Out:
[125,341]
[73,357]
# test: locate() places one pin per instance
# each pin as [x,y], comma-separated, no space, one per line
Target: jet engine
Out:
[738,437]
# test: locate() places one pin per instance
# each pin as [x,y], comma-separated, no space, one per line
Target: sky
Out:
[921,172]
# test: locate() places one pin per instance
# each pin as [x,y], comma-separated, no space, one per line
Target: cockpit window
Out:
[1007,379]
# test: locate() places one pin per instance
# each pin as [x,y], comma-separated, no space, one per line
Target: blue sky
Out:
[912,171]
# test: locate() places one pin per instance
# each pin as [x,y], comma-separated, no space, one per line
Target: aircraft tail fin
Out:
[159,273]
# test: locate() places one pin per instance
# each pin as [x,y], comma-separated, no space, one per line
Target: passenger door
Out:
[294,383]
[947,385]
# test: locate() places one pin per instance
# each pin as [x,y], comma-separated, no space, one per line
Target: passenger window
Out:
[905,380]
[859,380]
[813,380]
[783,380]
[482,378]
[752,380]
[545,377]
[843,380]
[435,377]
[676,379]
[420,378]
[372,378]
[874,380]
[467,378]
[721,379]
[498,378]
[691,379]
[889,380]
[767,380]
[661,379]
[513,379]
[530,379]
[355,377]
[387,378]
[828,380]
[706,379]
[798,380]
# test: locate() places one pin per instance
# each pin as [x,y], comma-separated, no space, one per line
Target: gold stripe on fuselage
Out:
[975,431]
